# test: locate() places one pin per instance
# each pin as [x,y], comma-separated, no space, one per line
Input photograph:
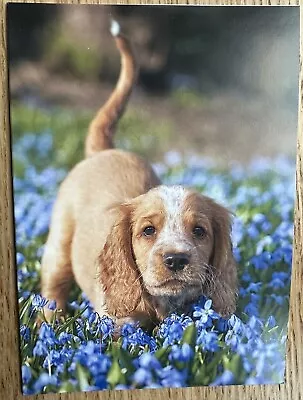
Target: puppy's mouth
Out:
[171,286]
[169,283]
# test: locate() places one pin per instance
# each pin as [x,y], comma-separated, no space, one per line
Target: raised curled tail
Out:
[102,128]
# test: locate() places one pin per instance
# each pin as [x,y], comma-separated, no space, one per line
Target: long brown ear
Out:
[118,272]
[224,285]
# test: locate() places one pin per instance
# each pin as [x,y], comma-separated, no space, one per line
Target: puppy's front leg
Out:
[56,279]
[56,271]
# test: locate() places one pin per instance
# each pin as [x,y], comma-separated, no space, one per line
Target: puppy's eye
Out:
[199,231]
[149,231]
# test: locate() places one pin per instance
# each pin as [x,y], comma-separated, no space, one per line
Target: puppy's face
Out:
[173,241]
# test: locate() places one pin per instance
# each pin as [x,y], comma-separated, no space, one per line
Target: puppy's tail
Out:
[102,128]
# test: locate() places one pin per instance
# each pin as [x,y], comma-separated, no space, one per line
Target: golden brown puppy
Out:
[138,249]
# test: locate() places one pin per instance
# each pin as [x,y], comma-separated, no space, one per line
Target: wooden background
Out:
[10,386]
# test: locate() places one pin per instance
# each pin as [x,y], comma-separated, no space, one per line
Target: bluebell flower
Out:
[271,321]
[142,376]
[171,330]
[208,340]
[277,298]
[106,326]
[19,258]
[64,338]
[222,325]
[44,380]
[26,374]
[251,309]
[52,305]
[246,277]
[183,353]
[121,387]
[252,231]
[235,324]
[262,246]
[283,276]
[47,334]
[172,158]
[260,262]
[39,301]
[237,254]
[141,339]
[171,377]
[276,284]
[25,332]
[148,360]
[205,314]
[98,364]
[254,287]
[40,349]
[128,329]
[264,243]
[227,378]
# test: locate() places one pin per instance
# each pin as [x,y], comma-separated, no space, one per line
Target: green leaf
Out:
[67,387]
[199,377]
[234,365]
[126,360]
[190,335]
[115,375]
[82,377]
[162,354]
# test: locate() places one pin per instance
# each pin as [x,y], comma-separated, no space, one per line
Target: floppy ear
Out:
[224,288]
[118,272]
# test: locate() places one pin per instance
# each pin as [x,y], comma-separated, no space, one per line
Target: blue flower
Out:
[25,332]
[106,326]
[206,314]
[39,301]
[227,378]
[171,330]
[40,349]
[251,309]
[271,321]
[142,376]
[148,360]
[52,305]
[208,340]
[26,374]
[128,329]
[171,377]
[64,338]
[20,258]
[183,353]
[262,235]
[252,231]
[44,380]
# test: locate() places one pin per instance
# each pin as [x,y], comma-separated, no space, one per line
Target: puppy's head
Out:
[174,244]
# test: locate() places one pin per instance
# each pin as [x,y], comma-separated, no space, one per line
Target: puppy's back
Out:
[89,191]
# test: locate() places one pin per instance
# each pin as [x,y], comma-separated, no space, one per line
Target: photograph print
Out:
[154,169]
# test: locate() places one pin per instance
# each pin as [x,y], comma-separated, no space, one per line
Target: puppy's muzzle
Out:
[175,261]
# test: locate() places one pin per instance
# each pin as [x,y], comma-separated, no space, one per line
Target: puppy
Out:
[138,249]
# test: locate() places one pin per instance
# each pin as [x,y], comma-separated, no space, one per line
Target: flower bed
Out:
[184,350]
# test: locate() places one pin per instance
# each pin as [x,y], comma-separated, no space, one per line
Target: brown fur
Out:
[96,236]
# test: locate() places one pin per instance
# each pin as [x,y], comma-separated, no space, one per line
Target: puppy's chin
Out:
[171,287]
[174,288]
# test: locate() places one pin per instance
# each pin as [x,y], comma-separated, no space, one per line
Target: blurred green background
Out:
[220,82]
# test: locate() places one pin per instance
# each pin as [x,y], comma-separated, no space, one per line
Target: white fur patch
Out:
[173,235]
[115,28]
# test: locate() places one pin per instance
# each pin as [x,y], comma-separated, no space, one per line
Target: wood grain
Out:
[10,387]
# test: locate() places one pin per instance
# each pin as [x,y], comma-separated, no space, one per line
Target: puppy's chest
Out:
[165,305]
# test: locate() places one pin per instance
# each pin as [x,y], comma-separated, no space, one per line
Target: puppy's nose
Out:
[176,261]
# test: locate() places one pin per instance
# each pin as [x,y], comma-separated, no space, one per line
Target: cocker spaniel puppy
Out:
[138,249]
